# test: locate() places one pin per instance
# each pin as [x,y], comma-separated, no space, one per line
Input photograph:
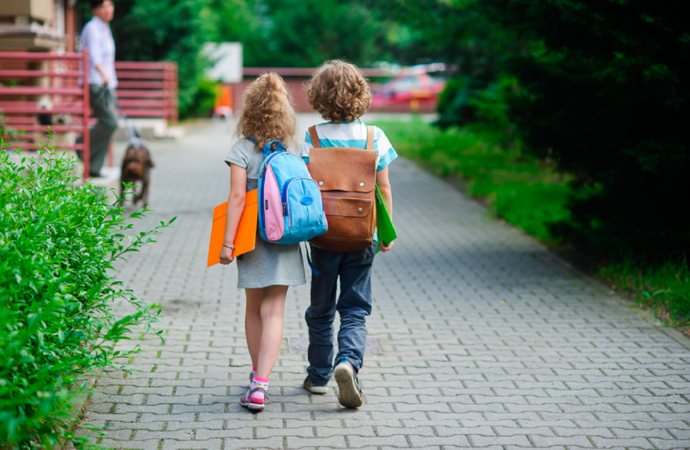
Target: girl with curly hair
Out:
[266,272]
[339,92]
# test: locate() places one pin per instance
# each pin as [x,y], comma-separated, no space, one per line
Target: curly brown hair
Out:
[267,113]
[339,92]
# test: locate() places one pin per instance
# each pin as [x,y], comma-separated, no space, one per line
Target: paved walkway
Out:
[488,340]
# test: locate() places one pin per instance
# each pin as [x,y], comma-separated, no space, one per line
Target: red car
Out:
[413,89]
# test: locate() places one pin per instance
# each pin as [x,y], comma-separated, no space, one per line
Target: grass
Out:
[521,189]
[530,194]
[663,286]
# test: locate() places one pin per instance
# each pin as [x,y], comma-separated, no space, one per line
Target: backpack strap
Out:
[311,264]
[314,137]
[370,138]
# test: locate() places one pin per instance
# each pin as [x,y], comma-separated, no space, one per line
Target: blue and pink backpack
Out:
[290,204]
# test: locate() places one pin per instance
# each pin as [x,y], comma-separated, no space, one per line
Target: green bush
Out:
[4,129]
[454,103]
[204,100]
[522,189]
[58,243]
[470,101]
[606,96]
[532,195]
[533,207]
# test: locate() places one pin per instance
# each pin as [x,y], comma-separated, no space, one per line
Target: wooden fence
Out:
[148,89]
[46,83]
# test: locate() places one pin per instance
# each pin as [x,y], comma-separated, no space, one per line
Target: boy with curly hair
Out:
[339,92]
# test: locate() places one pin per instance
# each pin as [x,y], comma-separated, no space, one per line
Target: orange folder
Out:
[245,238]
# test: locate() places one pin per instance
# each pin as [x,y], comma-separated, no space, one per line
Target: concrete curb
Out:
[80,405]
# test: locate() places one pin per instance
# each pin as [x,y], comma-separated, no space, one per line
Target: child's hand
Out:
[226,256]
[383,247]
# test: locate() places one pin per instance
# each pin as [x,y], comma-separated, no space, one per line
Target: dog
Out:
[136,166]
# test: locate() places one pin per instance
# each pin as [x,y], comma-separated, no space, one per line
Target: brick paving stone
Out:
[143,445]
[210,444]
[489,340]
[331,442]
[458,440]
[628,443]
[362,431]
[392,441]
[165,418]
[237,433]
[264,444]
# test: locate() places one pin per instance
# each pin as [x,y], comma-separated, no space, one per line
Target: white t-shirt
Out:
[97,38]
[354,135]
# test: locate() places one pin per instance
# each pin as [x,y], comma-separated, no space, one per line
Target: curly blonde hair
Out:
[267,112]
[339,92]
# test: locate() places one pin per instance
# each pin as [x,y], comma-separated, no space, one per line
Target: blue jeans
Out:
[353,305]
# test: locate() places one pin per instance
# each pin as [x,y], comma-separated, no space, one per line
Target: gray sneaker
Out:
[314,389]
[349,393]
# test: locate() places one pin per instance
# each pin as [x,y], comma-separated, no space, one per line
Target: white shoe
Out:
[349,393]
[314,389]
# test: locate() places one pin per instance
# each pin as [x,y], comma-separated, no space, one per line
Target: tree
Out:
[247,22]
[459,33]
[607,98]
[305,33]
[168,30]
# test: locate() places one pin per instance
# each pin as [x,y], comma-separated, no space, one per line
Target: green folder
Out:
[386,230]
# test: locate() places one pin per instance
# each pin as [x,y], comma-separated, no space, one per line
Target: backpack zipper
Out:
[268,161]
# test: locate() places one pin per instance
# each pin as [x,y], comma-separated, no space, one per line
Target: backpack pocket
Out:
[272,207]
[303,209]
[347,207]
[349,218]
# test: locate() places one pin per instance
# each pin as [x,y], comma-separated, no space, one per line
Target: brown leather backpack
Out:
[347,179]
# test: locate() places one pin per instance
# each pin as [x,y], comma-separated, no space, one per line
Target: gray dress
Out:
[268,264]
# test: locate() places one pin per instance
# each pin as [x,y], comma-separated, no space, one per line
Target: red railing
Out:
[21,107]
[148,89]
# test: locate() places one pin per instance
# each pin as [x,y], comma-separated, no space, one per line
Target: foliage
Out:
[459,33]
[442,31]
[305,33]
[6,130]
[454,102]
[599,87]
[273,33]
[465,100]
[247,22]
[167,30]
[57,243]
[607,97]
[204,99]
[531,195]
[491,109]
[523,190]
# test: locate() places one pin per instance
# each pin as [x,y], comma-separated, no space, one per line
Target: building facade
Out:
[38,25]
